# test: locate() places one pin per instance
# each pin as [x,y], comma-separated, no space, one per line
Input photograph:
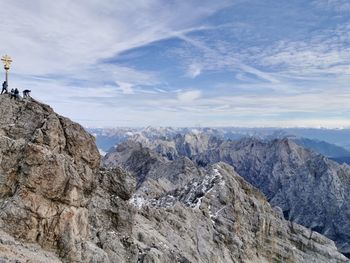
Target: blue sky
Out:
[244,63]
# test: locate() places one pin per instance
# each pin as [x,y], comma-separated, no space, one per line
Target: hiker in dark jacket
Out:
[26,93]
[12,93]
[16,94]
[4,88]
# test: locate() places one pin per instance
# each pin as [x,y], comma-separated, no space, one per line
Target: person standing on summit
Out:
[4,87]
[16,93]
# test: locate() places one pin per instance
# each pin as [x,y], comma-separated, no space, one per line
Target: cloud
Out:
[336,5]
[65,50]
[125,88]
[220,57]
[194,70]
[189,96]
[135,60]
[67,37]
[321,54]
[107,106]
[71,42]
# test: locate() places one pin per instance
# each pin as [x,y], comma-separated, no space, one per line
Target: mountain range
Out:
[308,188]
[60,204]
[330,143]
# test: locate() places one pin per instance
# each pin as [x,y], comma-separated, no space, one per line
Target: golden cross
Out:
[7,61]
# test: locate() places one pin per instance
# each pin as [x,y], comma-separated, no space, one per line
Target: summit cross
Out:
[7,61]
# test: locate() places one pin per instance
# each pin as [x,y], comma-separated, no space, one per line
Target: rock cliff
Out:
[47,170]
[58,204]
[310,189]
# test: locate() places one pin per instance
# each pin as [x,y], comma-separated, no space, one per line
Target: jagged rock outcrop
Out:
[112,218]
[217,217]
[327,149]
[47,170]
[194,202]
[310,189]
[58,204]
[154,174]
[173,147]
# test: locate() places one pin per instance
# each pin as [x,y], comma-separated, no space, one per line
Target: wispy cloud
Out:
[125,88]
[336,5]
[325,53]
[66,37]
[219,57]
[194,70]
[158,62]
[189,96]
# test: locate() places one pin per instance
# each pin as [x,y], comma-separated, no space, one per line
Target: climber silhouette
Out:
[12,93]
[4,87]
[26,93]
[15,94]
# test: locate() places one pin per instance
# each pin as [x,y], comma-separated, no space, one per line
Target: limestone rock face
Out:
[310,189]
[214,216]
[47,170]
[154,174]
[207,214]
[58,204]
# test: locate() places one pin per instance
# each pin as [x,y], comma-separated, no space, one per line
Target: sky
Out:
[246,63]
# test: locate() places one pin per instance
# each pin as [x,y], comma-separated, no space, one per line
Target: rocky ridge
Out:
[206,192]
[327,142]
[309,188]
[58,204]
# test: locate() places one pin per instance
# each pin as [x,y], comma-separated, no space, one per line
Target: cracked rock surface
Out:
[47,170]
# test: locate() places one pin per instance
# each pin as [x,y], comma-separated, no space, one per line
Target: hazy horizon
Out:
[215,127]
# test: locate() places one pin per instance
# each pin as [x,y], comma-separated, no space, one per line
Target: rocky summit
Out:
[57,204]
[47,173]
